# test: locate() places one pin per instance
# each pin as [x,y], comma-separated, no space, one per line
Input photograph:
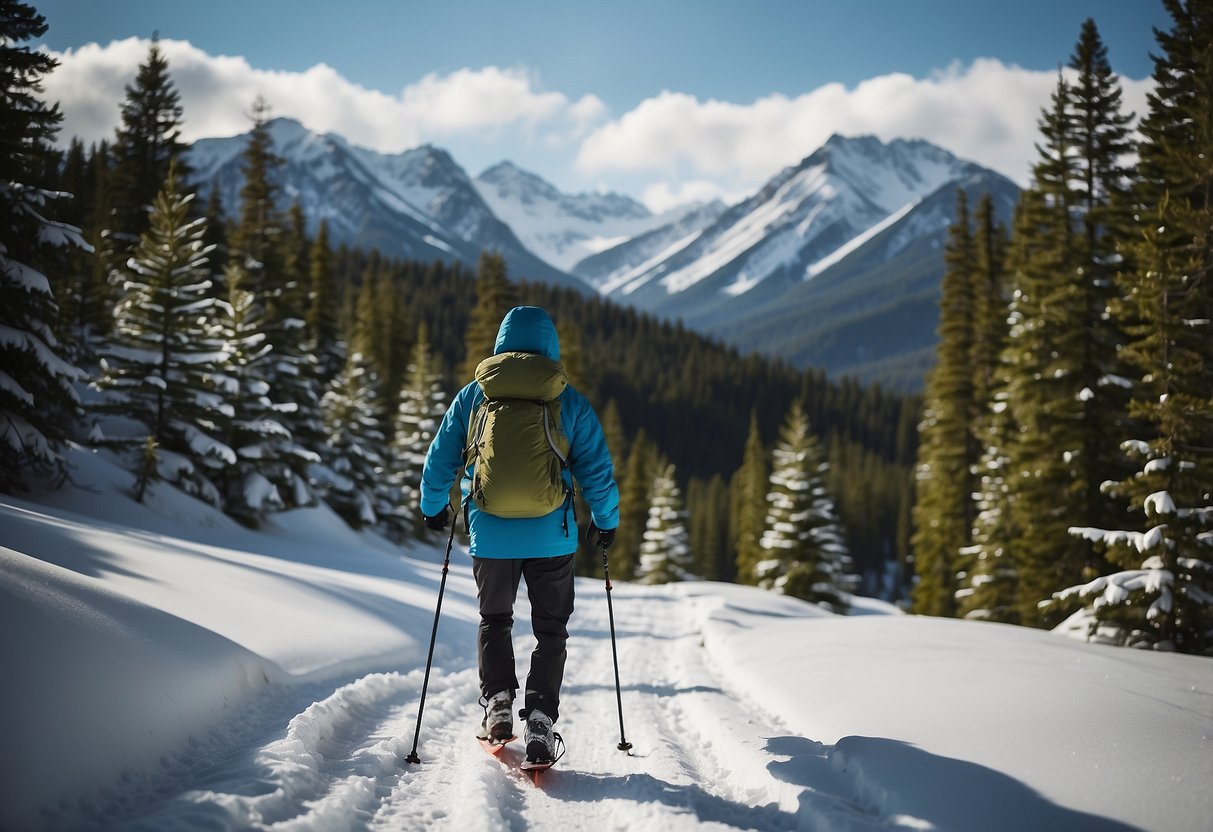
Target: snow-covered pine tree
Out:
[1163,597]
[158,369]
[351,459]
[665,552]
[38,404]
[257,243]
[252,486]
[422,406]
[805,553]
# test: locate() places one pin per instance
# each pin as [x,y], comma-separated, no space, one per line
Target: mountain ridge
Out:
[834,262]
[749,277]
[418,204]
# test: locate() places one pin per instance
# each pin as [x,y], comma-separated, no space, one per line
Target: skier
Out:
[509,537]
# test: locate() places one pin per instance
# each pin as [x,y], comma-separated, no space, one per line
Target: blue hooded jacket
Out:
[524,329]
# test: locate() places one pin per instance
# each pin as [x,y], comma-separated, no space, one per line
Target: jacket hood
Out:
[528,329]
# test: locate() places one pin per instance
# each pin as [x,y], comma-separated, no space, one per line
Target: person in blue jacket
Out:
[540,549]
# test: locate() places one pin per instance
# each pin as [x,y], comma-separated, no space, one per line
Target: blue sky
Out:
[671,99]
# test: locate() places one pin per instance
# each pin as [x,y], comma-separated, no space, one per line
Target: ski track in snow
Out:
[704,756]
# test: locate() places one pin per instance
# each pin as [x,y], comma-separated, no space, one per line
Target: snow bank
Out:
[99,686]
[1029,729]
[130,632]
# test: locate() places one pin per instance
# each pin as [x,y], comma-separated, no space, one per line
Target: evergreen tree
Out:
[295,252]
[216,230]
[992,578]
[352,456]
[1063,344]
[158,369]
[572,356]
[257,245]
[990,302]
[148,139]
[750,505]
[252,486]
[38,404]
[805,555]
[322,326]
[69,291]
[1163,595]
[390,347]
[495,296]
[612,429]
[943,510]
[708,509]
[624,555]
[98,294]
[589,557]
[257,237]
[422,406]
[665,553]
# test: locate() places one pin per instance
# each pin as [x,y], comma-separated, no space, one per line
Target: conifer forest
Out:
[1059,461]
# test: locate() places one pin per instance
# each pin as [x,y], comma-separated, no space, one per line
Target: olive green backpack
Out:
[516,447]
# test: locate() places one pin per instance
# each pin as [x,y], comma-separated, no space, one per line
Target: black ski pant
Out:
[549,585]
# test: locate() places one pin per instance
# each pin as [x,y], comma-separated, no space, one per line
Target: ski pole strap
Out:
[606,569]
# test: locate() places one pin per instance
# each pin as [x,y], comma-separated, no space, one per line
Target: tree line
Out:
[230,353]
[1065,460]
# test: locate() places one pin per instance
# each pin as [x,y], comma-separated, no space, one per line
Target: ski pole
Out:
[425,683]
[624,745]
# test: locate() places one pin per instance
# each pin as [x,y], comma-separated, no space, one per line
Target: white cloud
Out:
[986,112]
[672,148]
[217,91]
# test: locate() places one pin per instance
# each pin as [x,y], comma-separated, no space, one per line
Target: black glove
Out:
[438,521]
[601,537]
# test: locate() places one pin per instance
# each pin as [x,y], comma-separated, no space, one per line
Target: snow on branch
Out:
[24,277]
[1143,542]
[10,386]
[45,356]
[1160,503]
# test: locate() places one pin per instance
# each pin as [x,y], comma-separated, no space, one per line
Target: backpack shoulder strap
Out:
[547,432]
[476,431]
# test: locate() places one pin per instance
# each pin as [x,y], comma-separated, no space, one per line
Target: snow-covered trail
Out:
[702,756]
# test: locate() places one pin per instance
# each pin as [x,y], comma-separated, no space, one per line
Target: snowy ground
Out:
[166,669]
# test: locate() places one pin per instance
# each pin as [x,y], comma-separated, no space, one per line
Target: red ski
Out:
[493,747]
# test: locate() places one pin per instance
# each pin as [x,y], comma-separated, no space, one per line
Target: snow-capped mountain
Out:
[778,253]
[419,204]
[619,265]
[835,262]
[561,228]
